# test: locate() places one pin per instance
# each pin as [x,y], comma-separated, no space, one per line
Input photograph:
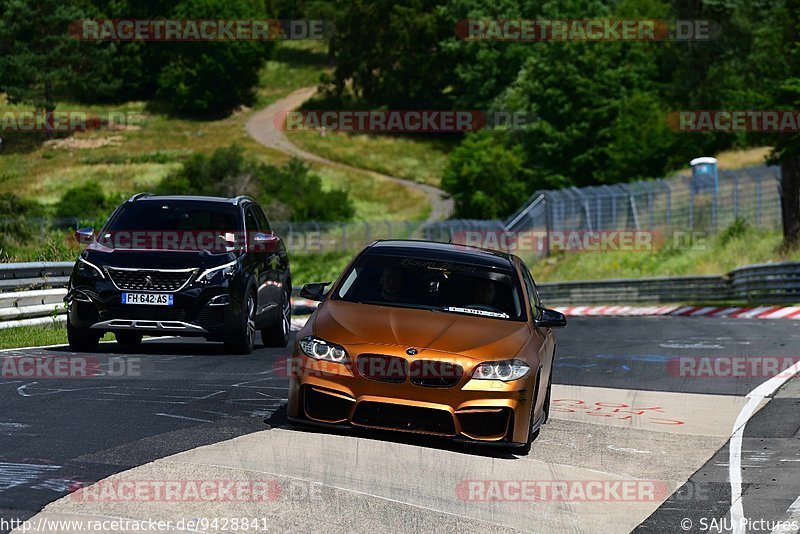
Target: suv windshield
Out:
[174,225]
[431,284]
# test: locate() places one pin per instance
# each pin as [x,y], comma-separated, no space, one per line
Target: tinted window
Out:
[422,283]
[250,220]
[176,215]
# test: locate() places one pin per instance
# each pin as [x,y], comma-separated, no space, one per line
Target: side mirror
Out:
[84,235]
[265,242]
[314,291]
[550,319]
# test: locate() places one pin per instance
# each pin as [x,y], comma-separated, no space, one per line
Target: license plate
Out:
[152,299]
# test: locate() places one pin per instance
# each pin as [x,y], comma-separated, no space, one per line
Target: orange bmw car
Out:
[430,338]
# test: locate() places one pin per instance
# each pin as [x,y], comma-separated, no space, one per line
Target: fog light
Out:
[220,300]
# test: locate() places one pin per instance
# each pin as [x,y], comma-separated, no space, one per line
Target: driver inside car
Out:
[391,283]
[483,292]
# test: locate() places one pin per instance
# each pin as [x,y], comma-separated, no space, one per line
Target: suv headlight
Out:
[226,270]
[89,269]
[505,370]
[319,349]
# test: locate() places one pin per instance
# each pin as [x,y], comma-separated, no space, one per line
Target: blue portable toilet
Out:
[705,176]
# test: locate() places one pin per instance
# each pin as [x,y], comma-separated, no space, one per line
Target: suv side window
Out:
[263,223]
[250,221]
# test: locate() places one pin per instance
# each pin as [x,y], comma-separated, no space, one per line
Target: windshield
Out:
[174,225]
[443,286]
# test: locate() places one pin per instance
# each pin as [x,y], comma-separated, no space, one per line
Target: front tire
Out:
[244,339]
[277,334]
[82,339]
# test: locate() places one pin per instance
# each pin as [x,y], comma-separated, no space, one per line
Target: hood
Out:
[350,323]
[154,259]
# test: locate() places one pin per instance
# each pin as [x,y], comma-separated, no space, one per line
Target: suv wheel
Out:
[128,339]
[82,339]
[243,340]
[277,334]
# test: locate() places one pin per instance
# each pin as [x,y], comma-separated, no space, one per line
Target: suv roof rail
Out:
[241,198]
[137,196]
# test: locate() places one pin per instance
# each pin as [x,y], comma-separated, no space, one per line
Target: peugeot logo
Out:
[412,351]
[148,281]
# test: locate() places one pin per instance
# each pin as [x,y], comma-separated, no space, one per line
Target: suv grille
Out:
[149,280]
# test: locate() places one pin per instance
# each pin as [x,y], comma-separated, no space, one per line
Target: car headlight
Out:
[505,370]
[226,270]
[319,349]
[89,269]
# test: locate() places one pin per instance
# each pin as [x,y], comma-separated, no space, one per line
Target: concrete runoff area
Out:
[611,459]
[346,480]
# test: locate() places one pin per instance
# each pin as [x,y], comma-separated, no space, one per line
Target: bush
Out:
[289,192]
[85,201]
[735,230]
[485,178]
[18,222]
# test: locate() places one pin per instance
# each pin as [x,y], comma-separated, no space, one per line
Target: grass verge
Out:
[37,336]
[419,159]
[736,246]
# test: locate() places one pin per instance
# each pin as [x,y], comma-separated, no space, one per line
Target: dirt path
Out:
[263,129]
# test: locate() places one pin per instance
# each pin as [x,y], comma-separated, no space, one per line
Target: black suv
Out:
[185,266]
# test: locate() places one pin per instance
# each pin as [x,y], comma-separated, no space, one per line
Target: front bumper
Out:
[488,411]
[97,304]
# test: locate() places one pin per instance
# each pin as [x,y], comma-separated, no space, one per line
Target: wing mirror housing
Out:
[265,242]
[314,291]
[550,319]
[84,235]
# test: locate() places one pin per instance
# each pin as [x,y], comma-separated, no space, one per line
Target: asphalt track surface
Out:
[621,412]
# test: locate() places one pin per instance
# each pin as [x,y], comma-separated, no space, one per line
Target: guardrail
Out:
[766,283]
[32,293]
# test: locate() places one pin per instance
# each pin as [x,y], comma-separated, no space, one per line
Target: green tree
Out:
[213,78]
[388,53]
[482,69]
[40,59]
[787,147]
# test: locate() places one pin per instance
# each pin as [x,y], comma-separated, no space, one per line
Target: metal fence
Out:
[677,203]
[752,194]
